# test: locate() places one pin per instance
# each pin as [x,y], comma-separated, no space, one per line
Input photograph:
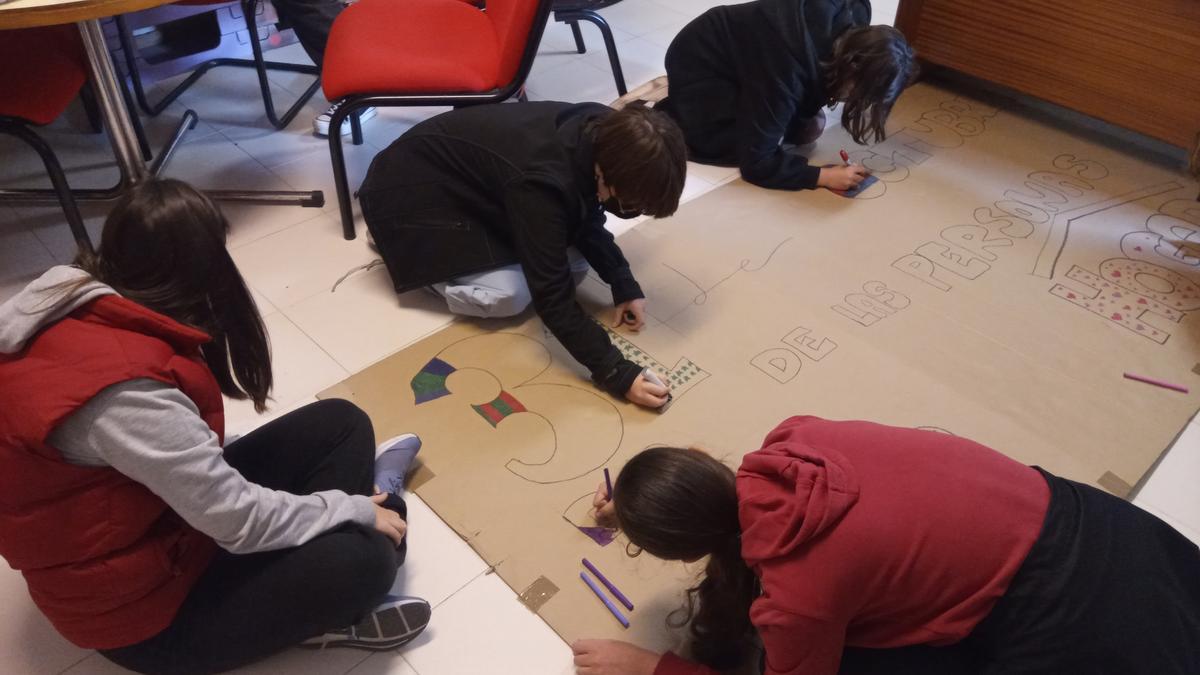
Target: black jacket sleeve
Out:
[765,110]
[600,249]
[539,220]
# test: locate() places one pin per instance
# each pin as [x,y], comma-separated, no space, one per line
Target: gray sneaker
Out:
[394,623]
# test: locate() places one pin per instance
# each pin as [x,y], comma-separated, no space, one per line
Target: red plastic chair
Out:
[41,71]
[424,53]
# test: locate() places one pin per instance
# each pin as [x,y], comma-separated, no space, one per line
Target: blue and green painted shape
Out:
[430,383]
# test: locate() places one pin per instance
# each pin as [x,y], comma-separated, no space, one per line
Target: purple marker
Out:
[607,603]
[608,482]
[609,585]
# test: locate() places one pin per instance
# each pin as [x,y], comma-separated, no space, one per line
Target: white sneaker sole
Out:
[321,127]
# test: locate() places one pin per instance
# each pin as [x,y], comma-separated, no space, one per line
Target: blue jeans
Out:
[500,292]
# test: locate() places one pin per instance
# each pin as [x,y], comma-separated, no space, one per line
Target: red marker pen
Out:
[845,157]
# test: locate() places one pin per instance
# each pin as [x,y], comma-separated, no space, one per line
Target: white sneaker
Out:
[321,122]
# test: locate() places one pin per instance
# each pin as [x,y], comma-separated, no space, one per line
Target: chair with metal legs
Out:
[386,53]
[259,63]
[571,12]
[41,71]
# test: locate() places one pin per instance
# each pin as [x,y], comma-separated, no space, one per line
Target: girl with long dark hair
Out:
[746,80]
[855,548]
[137,533]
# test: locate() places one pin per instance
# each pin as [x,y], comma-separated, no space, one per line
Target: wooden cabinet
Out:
[1134,64]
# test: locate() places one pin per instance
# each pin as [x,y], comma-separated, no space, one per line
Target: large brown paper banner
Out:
[996,283]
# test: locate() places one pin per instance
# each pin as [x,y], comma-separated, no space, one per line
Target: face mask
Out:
[613,206]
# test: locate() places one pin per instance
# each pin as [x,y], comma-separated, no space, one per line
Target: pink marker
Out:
[1157,383]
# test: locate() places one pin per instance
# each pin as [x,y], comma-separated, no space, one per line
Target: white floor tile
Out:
[717,175]
[482,629]
[439,562]
[1174,487]
[28,643]
[315,172]
[385,663]
[641,60]
[640,17]
[301,369]
[365,320]
[573,82]
[301,261]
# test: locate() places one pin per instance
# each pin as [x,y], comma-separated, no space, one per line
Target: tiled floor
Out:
[293,257]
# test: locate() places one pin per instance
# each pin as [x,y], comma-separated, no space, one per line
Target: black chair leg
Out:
[57,178]
[578,35]
[340,180]
[260,65]
[356,134]
[609,42]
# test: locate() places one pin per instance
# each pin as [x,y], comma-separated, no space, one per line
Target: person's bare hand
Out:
[842,178]
[646,393]
[613,657]
[388,522]
[632,314]
[606,514]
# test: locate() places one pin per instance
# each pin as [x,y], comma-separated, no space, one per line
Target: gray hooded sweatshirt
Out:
[153,433]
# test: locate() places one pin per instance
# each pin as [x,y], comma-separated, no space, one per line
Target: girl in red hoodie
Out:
[852,547]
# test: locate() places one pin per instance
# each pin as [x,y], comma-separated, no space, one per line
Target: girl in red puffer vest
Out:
[137,533]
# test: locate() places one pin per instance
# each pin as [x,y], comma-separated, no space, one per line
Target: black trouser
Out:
[247,607]
[312,20]
[1107,589]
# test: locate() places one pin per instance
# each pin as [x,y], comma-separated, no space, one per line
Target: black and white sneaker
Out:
[394,623]
[321,122]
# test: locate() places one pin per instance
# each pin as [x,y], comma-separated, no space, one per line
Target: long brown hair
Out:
[643,157]
[869,68]
[681,504]
[163,247]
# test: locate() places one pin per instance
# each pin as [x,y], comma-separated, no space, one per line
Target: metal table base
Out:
[132,166]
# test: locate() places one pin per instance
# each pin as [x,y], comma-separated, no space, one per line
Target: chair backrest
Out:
[519,25]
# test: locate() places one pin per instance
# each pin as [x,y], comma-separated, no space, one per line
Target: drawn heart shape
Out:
[1128,308]
[1116,273]
[1137,248]
[1142,301]
[1070,296]
[1116,316]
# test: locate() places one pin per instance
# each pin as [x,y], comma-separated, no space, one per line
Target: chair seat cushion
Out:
[410,46]
[41,72]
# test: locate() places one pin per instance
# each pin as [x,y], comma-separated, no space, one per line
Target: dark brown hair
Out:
[163,247]
[681,504]
[870,67]
[643,157]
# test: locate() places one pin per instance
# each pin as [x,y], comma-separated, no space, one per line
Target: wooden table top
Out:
[31,13]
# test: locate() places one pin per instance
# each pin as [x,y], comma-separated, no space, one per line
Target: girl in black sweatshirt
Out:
[745,79]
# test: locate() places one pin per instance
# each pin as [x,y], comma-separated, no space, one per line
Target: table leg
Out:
[112,107]
[133,169]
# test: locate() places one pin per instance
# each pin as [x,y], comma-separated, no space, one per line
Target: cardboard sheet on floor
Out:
[995,283]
